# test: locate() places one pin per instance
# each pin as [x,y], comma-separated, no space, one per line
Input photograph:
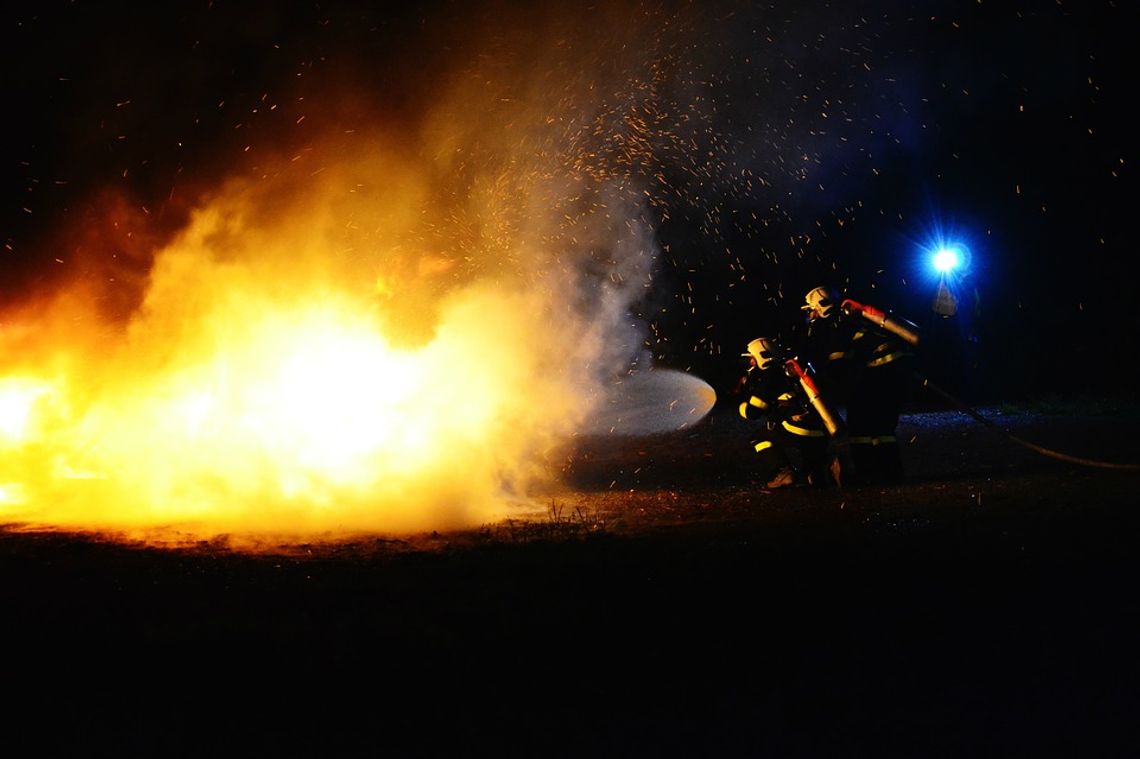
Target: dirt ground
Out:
[665,605]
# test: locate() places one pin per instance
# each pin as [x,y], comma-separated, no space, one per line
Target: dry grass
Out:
[560,523]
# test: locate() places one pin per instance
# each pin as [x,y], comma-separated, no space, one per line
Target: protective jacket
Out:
[788,421]
[869,370]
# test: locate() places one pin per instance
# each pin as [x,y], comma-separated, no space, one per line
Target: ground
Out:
[664,605]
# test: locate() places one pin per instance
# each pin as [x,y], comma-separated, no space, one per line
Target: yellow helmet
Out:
[819,301]
[764,350]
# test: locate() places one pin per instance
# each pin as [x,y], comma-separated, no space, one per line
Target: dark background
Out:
[874,127]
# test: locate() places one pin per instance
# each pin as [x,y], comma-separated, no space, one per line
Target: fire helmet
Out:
[819,302]
[764,350]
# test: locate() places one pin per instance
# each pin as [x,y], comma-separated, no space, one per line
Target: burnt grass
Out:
[665,605]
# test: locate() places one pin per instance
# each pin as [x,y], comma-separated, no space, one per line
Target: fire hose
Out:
[966,409]
[881,319]
[909,333]
[830,420]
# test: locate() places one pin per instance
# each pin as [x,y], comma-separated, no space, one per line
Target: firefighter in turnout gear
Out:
[865,364]
[792,440]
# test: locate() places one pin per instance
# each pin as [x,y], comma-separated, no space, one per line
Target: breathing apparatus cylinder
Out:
[883,320]
[830,420]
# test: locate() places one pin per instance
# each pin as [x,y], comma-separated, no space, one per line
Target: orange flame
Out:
[263,387]
[380,336]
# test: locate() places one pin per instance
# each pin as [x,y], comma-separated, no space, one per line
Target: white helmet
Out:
[764,350]
[819,301]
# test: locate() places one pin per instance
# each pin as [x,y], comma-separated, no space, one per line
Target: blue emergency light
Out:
[950,260]
[950,257]
[946,259]
[944,253]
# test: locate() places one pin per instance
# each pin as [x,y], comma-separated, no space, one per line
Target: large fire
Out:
[359,327]
[280,378]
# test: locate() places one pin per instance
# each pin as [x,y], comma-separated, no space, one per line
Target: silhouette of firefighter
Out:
[864,362]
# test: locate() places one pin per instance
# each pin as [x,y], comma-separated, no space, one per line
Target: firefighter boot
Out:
[829,474]
[782,479]
[823,473]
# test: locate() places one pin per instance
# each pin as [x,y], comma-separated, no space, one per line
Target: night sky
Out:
[778,146]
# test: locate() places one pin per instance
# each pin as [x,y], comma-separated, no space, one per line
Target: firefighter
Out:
[864,362]
[792,440]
